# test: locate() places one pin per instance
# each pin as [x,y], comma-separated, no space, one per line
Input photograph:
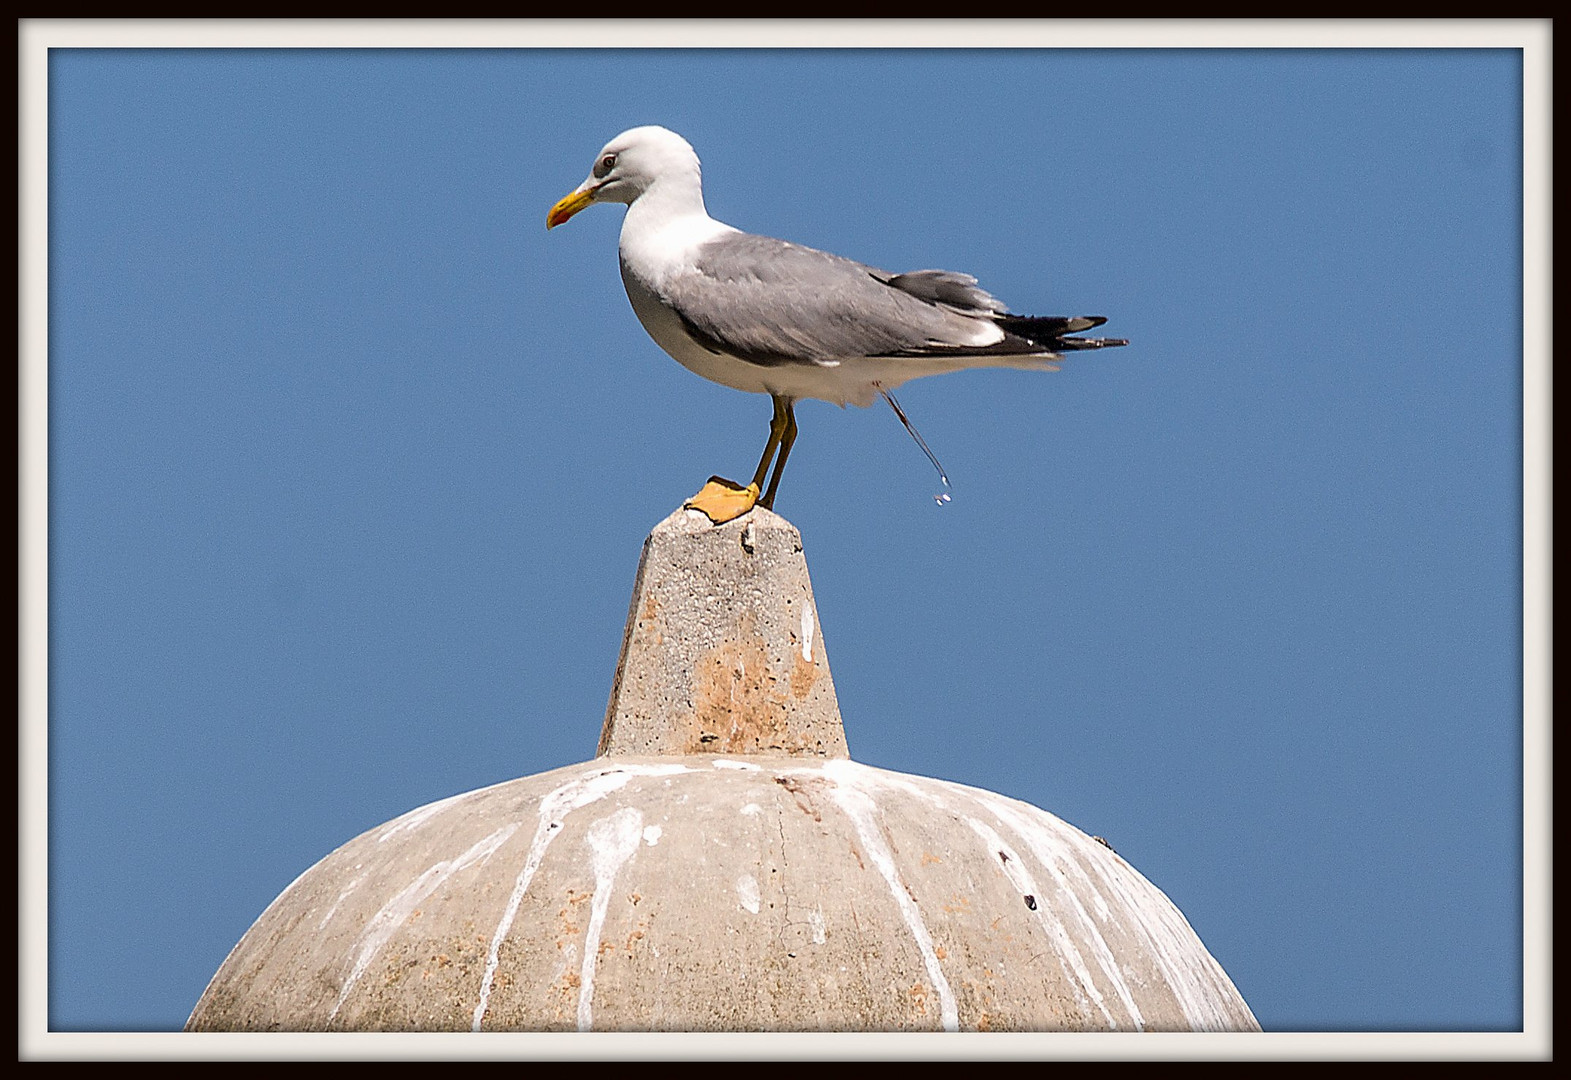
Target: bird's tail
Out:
[1051,331]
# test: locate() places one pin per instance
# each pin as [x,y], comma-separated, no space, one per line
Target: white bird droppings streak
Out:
[1011,811]
[858,805]
[747,892]
[341,897]
[554,807]
[1047,850]
[419,815]
[612,841]
[386,921]
[807,633]
[1194,977]
[1069,958]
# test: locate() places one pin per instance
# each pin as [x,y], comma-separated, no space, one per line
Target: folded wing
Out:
[770,302]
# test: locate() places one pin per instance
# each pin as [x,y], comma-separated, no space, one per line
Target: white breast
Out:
[666,328]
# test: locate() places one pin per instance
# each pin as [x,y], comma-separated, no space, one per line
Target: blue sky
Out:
[350,462]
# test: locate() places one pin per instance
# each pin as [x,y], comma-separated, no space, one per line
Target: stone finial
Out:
[723,653]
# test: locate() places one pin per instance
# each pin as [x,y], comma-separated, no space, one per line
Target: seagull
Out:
[771,317]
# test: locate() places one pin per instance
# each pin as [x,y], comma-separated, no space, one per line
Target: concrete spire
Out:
[723,652]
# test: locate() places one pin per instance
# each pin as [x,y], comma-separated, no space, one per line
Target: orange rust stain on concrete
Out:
[563,994]
[929,857]
[636,936]
[734,706]
[981,998]
[738,705]
[804,673]
[570,927]
[648,616]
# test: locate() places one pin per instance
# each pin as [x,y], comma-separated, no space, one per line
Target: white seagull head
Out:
[630,165]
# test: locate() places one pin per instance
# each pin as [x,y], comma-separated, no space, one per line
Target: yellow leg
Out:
[724,500]
[787,437]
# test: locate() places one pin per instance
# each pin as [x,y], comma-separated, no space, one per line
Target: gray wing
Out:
[772,302]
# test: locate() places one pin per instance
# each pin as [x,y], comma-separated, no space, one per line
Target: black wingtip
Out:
[1049,331]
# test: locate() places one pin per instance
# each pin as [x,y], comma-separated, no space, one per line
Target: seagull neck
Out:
[666,202]
[663,228]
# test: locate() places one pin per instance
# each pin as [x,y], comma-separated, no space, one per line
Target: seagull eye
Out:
[606,164]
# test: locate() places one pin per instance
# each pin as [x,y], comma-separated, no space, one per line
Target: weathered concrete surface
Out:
[723,652]
[722,893]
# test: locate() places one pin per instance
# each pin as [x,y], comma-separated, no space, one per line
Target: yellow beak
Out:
[568,206]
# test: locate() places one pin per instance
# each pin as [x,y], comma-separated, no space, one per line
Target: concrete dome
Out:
[722,893]
[770,883]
